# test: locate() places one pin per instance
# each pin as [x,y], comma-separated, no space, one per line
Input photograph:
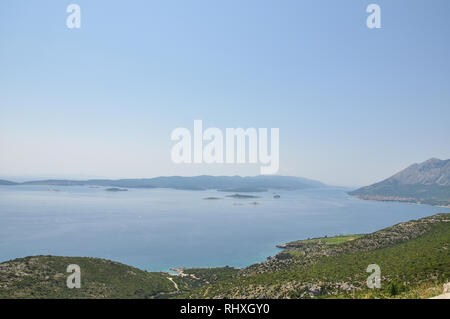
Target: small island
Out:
[241,196]
[116,189]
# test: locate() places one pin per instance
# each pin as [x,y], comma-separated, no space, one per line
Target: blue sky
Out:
[354,105]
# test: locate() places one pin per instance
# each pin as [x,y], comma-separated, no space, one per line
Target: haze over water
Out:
[155,229]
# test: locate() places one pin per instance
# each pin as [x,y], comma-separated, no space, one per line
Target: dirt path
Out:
[174,283]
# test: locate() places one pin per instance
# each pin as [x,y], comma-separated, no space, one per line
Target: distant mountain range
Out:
[3,182]
[222,183]
[426,183]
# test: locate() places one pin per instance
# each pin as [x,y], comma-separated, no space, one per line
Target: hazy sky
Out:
[353,105]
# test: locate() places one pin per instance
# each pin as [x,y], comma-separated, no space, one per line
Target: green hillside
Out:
[411,255]
[45,277]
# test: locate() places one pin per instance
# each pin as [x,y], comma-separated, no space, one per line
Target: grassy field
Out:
[335,240]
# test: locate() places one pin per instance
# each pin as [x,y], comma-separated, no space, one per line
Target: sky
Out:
[353,105]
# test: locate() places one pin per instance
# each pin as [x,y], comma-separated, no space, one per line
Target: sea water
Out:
[155,229]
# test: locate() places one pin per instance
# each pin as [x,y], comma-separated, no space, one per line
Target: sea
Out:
[157,229]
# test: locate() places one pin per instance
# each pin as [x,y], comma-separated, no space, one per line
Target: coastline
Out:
[420,239]
[406,200]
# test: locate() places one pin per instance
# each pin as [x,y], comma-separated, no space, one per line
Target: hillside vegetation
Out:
[45,277]
[413,256]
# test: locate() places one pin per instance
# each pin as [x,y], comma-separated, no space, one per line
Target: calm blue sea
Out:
[155,229]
